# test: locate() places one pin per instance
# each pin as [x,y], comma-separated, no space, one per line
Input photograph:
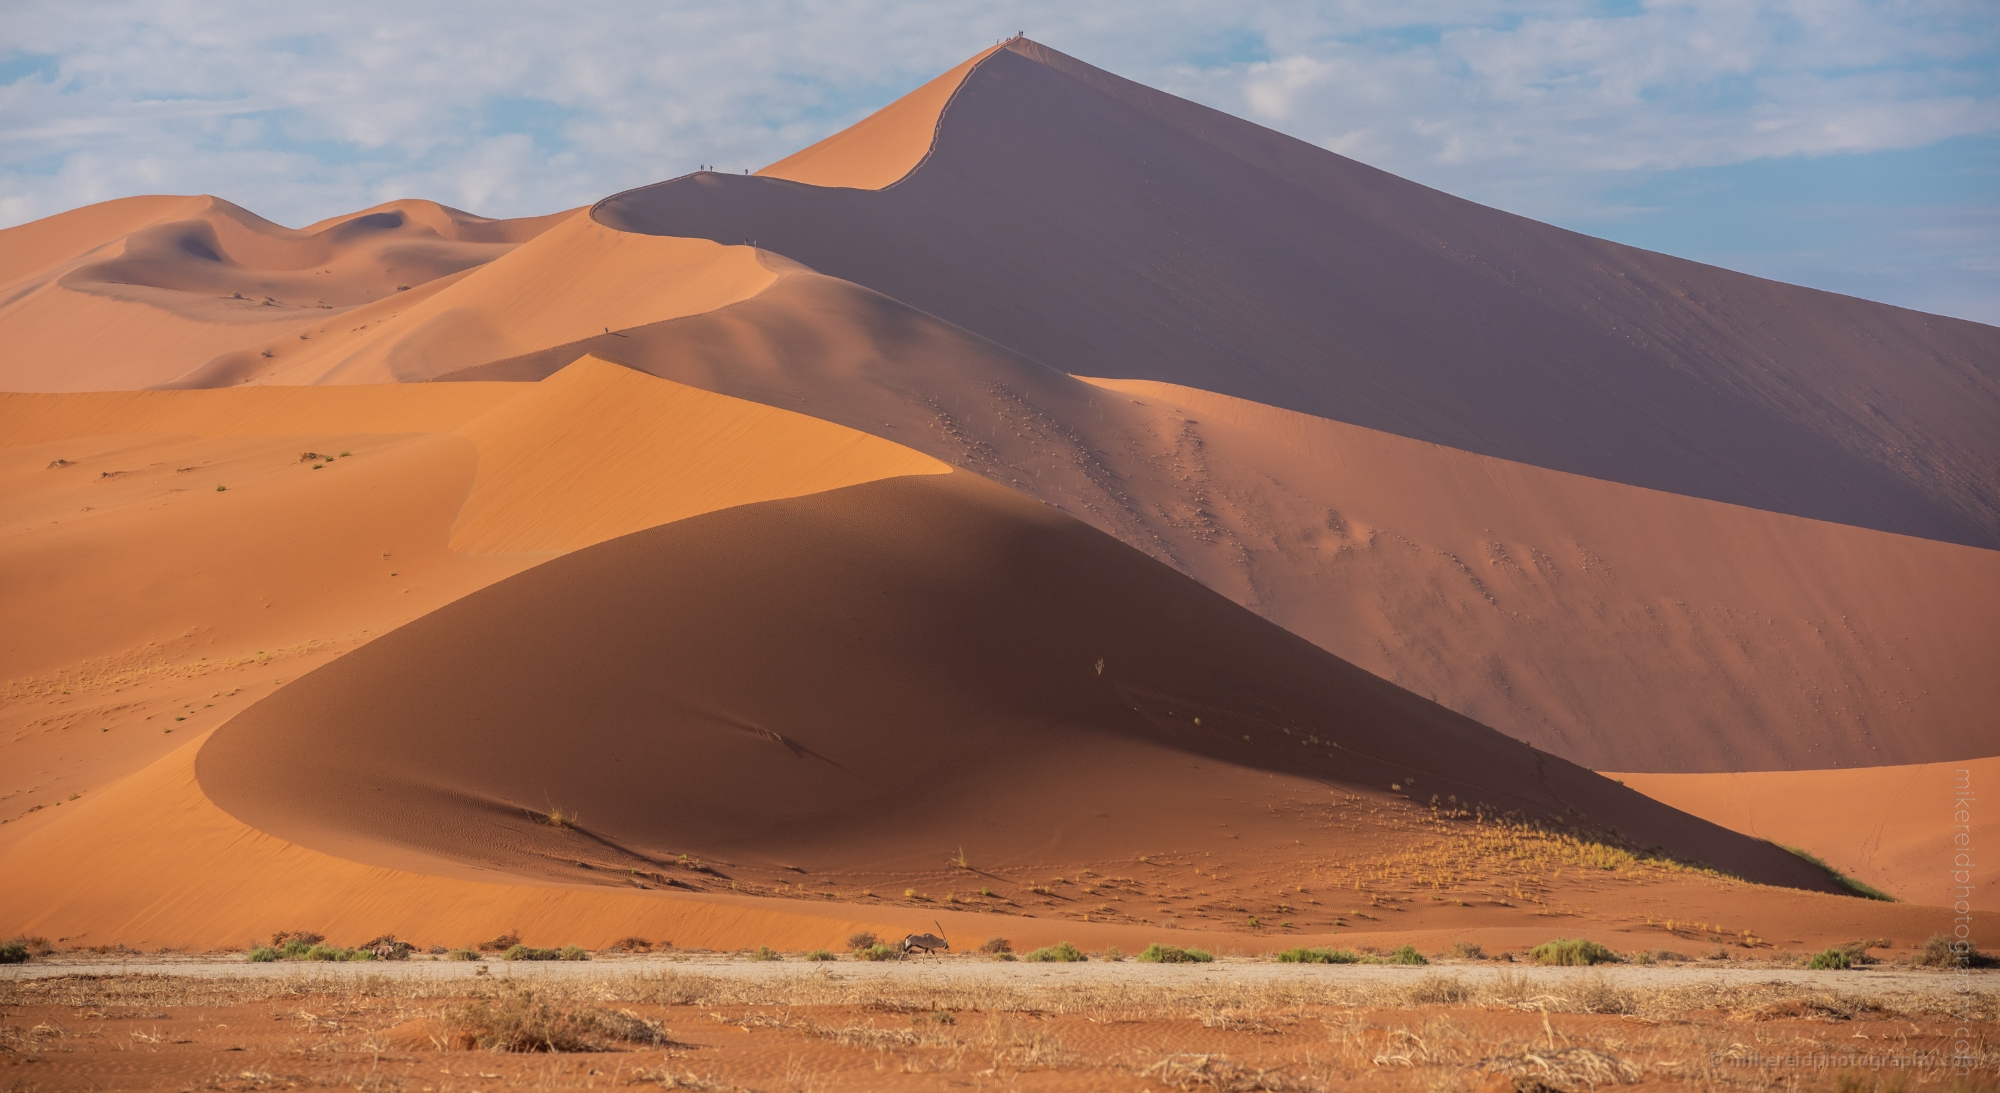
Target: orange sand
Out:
[1892,827]
[883,147]
[139,292]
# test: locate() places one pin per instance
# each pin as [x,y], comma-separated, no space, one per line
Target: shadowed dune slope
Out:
[136,292]
[1106,229]
[868,676]
[1619,627]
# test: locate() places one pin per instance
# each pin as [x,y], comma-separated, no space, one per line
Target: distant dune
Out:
[139,292]
[1047,508]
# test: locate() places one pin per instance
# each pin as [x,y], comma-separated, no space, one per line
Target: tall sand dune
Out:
[1619,627]
[136,292]
[1106,229]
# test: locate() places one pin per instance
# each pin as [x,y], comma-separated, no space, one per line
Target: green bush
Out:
[877,951]
[1062,952]
[1157,953]
[1573,952]
[524,952]
[765,952]
[1830,960]
[263,954]
[13,952]
[820,954]
[462,954]
[1319,956]
[1406,954]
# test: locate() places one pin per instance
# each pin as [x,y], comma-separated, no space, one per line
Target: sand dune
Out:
[809,568]
[1106,229]
[871,675]
[140,596]
[1892,827]
[1619,627]
[575,280]
[136,292]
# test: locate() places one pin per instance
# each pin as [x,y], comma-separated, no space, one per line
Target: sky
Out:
[1849,145]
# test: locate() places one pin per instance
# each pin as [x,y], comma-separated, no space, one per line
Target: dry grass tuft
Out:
[522,1019]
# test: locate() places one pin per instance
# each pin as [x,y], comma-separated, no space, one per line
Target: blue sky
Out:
[1845,144]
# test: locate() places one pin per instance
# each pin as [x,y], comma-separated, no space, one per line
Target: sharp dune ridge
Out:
[1088,512]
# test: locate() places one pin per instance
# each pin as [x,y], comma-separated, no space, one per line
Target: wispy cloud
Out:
[1540,106]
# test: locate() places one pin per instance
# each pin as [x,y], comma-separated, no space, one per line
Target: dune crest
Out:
[599,450]
[880,149]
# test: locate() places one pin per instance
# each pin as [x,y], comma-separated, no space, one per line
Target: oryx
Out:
[929,943]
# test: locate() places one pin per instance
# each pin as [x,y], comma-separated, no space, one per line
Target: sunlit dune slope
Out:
[142,599]
[869,677]
[136,292]
[1106,229]
[575,280]
[881,148]
[1915,832]
[1619,627]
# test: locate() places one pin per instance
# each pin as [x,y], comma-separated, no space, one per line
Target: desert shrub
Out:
[1157,953]
[387,947]
[1466,950]
[500,944]
[1113,953]
[820,954]
[462,954]
[630,945]
[1830,960]
[765,952]
[13,952]
[878,951]
[574,952]
[1062,952]
[334,953]
[1438,990]
[1406,954]
[1319,956]
[521,1020]
[866,939]
[996,945]
[263,954]
[1572,952]
[524,952]
[1941,951]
